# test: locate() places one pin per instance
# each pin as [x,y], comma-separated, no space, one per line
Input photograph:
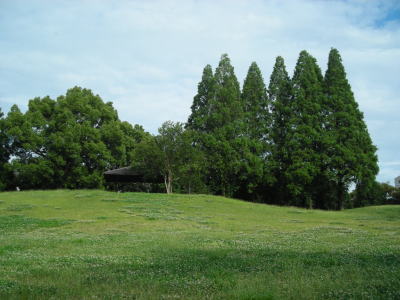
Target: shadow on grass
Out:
[8,224]
[213,273]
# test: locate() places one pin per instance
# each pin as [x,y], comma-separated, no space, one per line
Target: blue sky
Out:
[147,56]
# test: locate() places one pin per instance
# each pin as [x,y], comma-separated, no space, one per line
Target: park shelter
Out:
[128,175]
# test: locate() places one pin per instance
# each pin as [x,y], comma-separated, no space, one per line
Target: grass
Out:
[94,244]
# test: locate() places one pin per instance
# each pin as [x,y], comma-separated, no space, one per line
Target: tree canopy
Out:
[68,142]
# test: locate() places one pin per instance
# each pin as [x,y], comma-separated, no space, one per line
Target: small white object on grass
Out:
[17,188]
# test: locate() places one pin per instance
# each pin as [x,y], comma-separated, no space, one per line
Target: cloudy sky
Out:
[147,56]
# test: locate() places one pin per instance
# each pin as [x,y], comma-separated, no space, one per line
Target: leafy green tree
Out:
[373,193]
[168,154]
[172,148]
[395,195]
[23,141]
[280,94]
[352,156]
[193,170]
[148,160]
[68,142]
[27,149]
[4,152]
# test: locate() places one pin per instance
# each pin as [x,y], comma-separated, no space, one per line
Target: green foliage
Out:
[303,144]
[373,193]
[256,135]
[4,151]
[193,169]
[305,137]
[218,128]
[198,120]
[171,155]
[352,156]
[68,142]
[280,95]
[256,105]
[224,142]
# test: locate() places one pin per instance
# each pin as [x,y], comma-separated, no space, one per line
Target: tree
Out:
[26,142]
[172,149]
[256,128]
[280,95]
[68,142]
[167,154]
[305,137]
[352,156]
[255,104]
[224,142]
[3,140]
[372,193]
[4,152]
[193,170]
[201,102]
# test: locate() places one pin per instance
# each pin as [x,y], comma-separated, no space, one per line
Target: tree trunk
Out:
[340,196]
[309,202]
[168,182]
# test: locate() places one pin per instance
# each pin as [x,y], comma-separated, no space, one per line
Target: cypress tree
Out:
[256,126]
[255,104]
[305,138]
[224,147]
[280,95]
[352,155]
[226,107]
[201,102]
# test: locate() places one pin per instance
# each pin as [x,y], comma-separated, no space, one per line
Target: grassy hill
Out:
[95,244]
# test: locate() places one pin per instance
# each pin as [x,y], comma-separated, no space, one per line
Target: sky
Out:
[147,57]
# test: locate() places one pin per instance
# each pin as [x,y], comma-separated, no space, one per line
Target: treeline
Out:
[298,141]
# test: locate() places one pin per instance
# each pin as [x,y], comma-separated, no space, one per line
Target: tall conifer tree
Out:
[306,138]
[222,143]
[255,103]
[198,118]
[280,95]
[352,155]
[257,121]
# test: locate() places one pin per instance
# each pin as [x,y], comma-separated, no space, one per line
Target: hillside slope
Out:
[85,243]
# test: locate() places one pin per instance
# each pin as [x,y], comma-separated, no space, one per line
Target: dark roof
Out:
[128,171]
[128,174]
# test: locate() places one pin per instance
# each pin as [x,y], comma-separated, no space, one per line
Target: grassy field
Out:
[94,244]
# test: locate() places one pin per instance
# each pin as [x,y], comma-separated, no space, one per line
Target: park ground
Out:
[92,244]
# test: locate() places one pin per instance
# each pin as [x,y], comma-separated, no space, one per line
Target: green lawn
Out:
[93,244]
